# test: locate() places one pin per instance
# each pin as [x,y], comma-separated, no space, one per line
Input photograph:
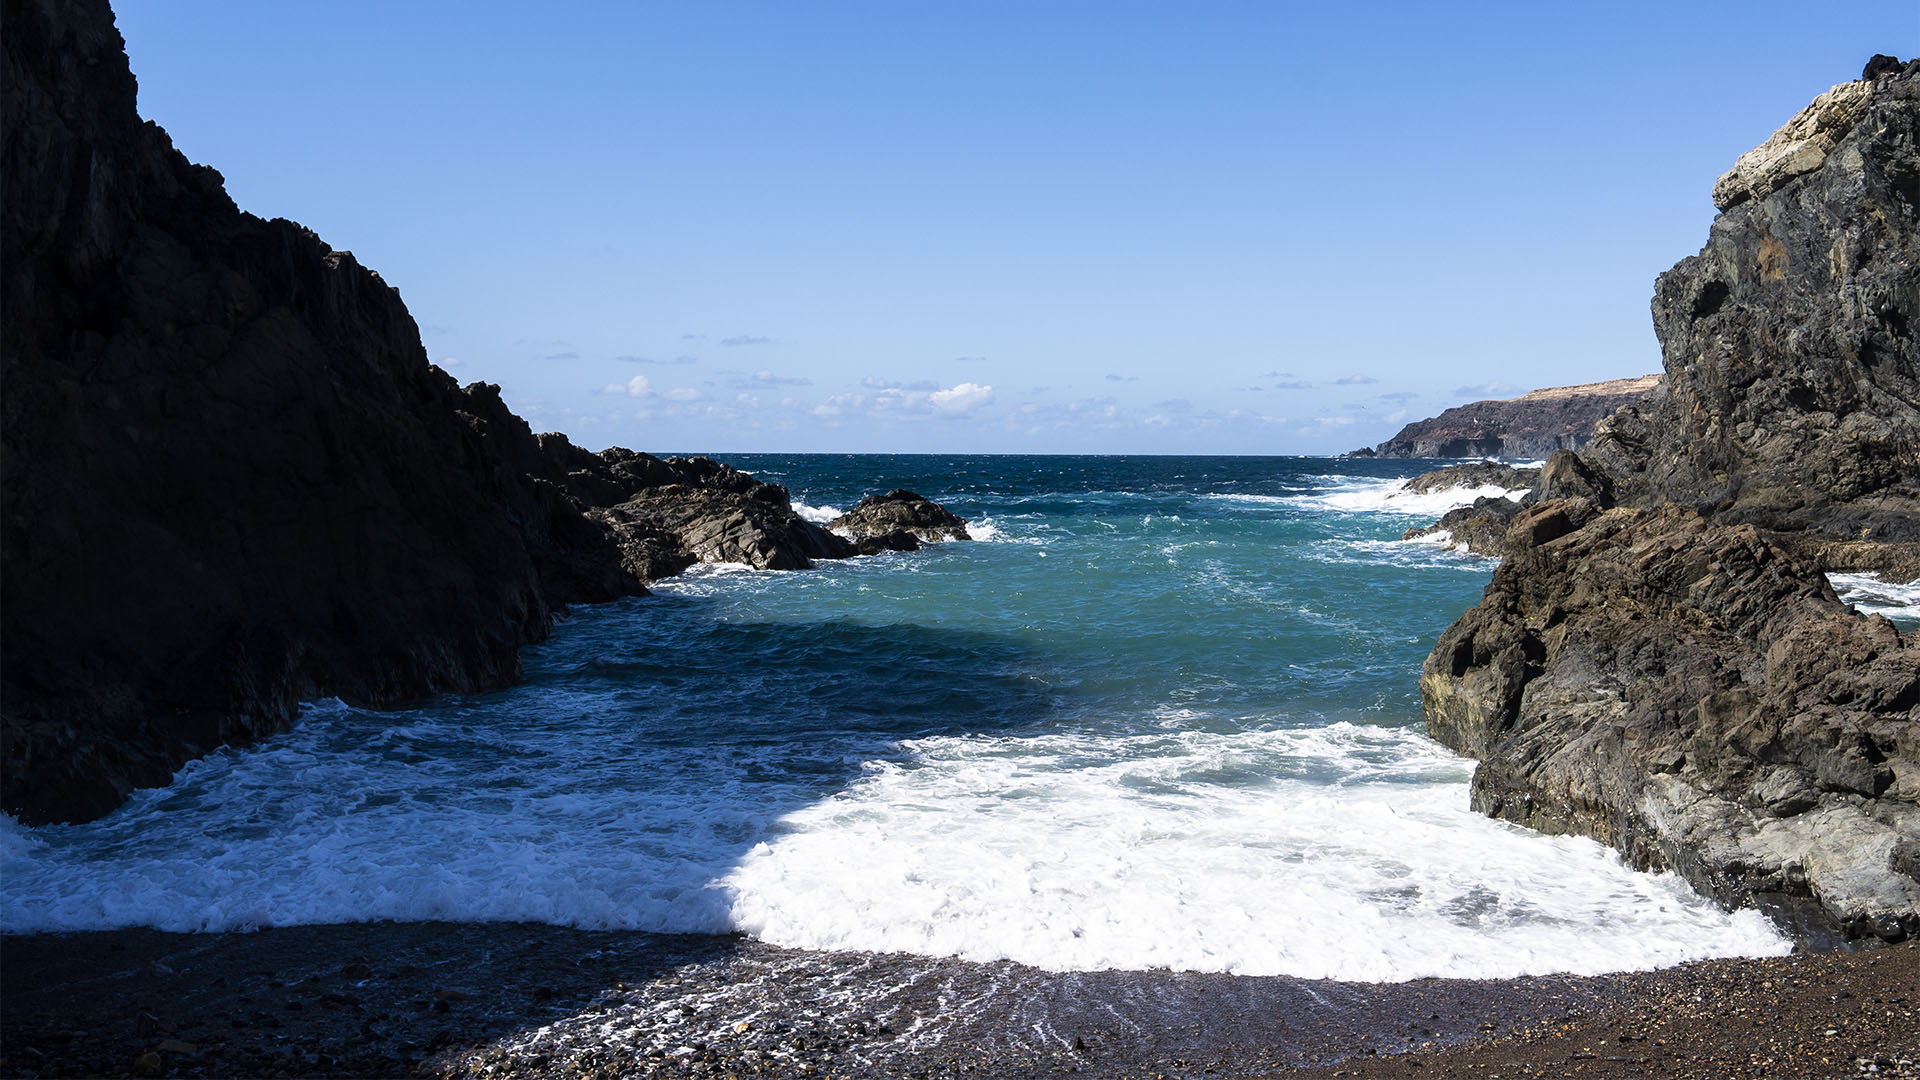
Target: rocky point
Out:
[1659,661]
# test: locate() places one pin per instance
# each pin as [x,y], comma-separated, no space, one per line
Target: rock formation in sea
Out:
[898,521]
[1530,426]
[1659,661]
[230,478]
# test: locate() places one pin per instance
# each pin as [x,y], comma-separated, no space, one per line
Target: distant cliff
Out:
[1530,426]
[1659,661]
[230,480]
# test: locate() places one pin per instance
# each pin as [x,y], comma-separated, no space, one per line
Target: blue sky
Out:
[1058,227]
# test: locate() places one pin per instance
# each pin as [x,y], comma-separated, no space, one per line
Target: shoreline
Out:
[517,999]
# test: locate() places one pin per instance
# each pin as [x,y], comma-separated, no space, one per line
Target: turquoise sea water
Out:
[1162,713]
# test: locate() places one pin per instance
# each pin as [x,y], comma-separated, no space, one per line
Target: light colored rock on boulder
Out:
[1800,146]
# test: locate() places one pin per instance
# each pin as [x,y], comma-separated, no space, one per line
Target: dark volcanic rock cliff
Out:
[1793,392]
[1532,425]
[1659,662]
[230,479]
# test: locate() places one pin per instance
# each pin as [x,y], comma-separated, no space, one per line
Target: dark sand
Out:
[514,1000]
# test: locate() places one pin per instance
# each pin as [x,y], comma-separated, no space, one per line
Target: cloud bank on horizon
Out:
[1018,228]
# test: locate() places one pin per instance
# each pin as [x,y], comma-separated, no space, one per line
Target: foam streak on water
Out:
[1874,596]
[1166,716]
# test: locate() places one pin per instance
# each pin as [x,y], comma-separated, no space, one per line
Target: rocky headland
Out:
[233,481]
[1659,661]
[1527,427]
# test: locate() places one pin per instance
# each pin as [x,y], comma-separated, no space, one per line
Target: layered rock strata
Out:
[230,479]
[1532,425]
[1659,662]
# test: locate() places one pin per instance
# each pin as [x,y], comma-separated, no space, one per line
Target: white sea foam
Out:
[1214,852]
[1344,851]
[1434,550]
[1018,529]
[1874,596]
[1356,495]
[819,515]
[310,828]
[706,579]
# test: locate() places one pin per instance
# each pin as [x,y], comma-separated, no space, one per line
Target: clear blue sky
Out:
[1027,227]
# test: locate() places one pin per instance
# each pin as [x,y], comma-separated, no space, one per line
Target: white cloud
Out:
[873,382]
[840,405]
[681,393]
[896,400]
[449,361]
[768,378]
[634,387]
[963,398]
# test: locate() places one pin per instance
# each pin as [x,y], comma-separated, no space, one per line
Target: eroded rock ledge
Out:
[1659,662]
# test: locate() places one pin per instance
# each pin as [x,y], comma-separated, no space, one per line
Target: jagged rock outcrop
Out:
[231,477]
[1695,696]
[716,523]
[1659,662]
[1793,393]
[1482,526]
[898,521]
[231,480]
[667,514]
[1532,425]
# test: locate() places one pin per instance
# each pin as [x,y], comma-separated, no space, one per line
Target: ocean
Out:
[1162,713]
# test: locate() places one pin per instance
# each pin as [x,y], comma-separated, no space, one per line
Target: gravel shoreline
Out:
[517,1000]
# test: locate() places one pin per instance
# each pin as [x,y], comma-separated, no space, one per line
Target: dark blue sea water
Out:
[1162,712]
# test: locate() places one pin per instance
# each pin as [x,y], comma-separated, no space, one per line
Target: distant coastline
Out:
[1525,428]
